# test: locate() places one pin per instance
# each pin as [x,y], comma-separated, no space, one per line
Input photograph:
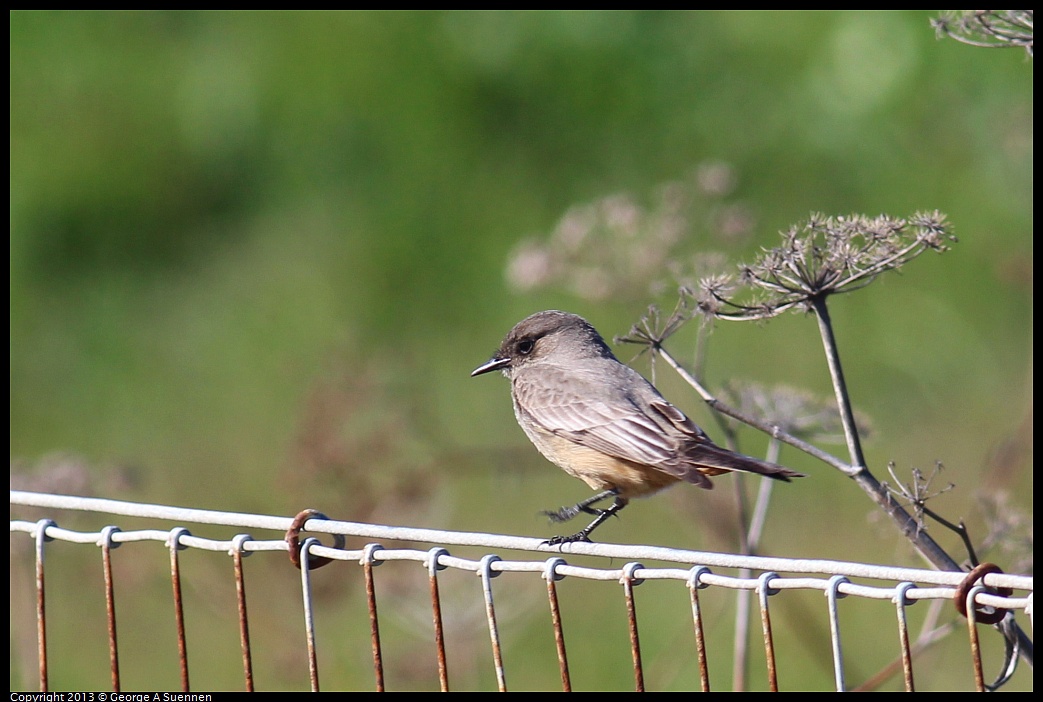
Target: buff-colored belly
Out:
[598,470]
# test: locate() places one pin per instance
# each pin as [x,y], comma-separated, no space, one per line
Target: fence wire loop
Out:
[695,577]
[105,539]
[834,587]
[628,574]
[983,614]
[431,562]
[293,540]
[485,567]
[174,538]
[239,545]
[901,597]
[41,530]
[550,569]
[762,584]
[369,555]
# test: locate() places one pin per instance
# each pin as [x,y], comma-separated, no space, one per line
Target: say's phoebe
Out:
[601,422]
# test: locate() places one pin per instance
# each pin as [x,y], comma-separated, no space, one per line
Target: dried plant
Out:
[819,258]
[619,248]
[793,410]
[918,491]
[987,28]
[824,256]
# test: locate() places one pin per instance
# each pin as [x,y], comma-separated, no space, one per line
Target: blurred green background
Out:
[254,257]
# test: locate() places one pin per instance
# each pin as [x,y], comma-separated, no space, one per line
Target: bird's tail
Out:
[706,459]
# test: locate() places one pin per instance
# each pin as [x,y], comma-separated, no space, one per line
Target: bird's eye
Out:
[525,346]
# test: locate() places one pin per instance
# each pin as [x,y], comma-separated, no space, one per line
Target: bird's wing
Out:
[585,409]
[632,421]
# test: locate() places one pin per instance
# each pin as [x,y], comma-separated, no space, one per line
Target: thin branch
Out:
[907,525]
[772,430]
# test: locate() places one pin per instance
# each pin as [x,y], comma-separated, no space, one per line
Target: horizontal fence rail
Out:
[991,597]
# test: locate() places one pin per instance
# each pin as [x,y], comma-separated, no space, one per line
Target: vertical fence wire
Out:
[901,600]
[832,595]
[309,614]
[237,552]
[697,622]
[107,545]
[628,581]
[179,612]
[551,575]
[486,573]
[371,604]
[972,630]
[763,592]
[436,613]
[41,608]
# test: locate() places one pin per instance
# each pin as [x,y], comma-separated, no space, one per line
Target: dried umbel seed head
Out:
[824,256]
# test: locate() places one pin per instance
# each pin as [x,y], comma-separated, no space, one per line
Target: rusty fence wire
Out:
[988,596]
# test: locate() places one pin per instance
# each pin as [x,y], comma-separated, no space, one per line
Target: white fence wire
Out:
[990,596]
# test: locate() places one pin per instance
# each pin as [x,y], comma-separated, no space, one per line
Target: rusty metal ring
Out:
[294,542]
[964,588]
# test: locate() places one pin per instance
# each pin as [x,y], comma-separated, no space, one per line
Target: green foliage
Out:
[217,217]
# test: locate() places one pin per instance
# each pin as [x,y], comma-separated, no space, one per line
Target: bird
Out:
[600,421]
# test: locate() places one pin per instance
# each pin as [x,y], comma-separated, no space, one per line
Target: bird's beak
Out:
[491,365]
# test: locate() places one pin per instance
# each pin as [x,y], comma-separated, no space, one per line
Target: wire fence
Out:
[988,596]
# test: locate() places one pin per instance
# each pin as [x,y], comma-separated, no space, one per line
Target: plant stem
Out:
[769,429]
[847,415]
[923,543]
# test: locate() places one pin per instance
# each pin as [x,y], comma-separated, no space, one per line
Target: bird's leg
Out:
[603,514]
[564,514]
